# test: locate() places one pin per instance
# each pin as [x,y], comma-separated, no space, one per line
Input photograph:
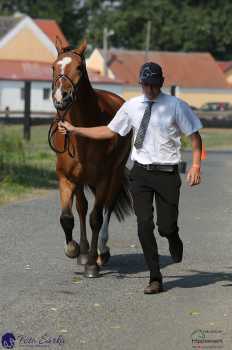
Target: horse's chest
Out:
[90,163]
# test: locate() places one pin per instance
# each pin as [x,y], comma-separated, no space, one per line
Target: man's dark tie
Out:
[143,126]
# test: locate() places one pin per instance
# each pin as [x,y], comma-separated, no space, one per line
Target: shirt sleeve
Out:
[187,121]
[121,123]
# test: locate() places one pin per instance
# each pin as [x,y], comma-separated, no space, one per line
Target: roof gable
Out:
[52,30]
[27,22]
[225,65]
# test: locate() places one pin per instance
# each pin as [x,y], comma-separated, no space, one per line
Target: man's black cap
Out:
[151,73]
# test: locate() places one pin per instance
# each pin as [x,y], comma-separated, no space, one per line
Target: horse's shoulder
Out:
[109,97]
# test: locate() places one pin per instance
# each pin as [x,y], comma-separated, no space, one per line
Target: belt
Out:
[160,167]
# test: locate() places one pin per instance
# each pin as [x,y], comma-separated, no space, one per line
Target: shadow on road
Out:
[129,264]
[199,279]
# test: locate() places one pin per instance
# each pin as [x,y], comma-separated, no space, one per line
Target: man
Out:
[158,120]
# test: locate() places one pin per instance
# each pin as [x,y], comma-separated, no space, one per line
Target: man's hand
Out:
[96,133]
[65,127]
[194,176]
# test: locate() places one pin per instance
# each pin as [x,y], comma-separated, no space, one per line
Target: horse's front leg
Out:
[96,220]
[82,208]
[67,189]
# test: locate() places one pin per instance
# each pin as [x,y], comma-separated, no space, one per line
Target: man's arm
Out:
[194,173]
[97,133]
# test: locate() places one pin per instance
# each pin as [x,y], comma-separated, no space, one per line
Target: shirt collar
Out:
[145,99]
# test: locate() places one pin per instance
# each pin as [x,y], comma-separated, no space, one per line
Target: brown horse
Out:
[98,164]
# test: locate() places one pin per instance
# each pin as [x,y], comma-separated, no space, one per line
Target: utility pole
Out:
[27,111]
[106,34]
[105,49]
[148,37]
[173,90]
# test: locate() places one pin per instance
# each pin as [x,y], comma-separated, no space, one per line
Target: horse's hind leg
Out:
[96,220]
[66,219]
[82,208]
[103,249]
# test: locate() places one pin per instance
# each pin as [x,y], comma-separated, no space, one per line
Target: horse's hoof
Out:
[92,271]
[103,258]
[82,259]
[72,249]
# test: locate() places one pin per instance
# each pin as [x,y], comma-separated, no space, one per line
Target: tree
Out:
[177,25]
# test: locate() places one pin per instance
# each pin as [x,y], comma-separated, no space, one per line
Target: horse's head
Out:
[68,69]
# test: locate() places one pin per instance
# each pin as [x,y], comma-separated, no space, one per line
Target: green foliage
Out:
[11,148]
[25,166]
[177,25]
[185,142]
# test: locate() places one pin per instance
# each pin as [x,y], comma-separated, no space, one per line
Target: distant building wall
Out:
[115,88]
[130,91]
[96,62]
[11,95]
[17,48]
[194,97]
[197,97]
[228,75]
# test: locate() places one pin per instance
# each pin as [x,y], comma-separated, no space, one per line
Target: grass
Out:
[28,168]
[214,139]
[217,138]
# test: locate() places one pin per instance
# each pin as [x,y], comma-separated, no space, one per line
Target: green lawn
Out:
[217,138]
[214,139]
[28,168]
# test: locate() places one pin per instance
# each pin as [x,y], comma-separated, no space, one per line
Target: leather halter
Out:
[52,132]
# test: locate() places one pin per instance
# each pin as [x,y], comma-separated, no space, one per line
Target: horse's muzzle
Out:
[64,103]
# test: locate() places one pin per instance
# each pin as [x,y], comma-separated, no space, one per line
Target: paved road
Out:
[42,291]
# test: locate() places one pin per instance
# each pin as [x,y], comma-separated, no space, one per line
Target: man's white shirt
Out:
[170,118]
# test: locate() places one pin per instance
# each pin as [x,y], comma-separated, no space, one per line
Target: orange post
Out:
[203,153]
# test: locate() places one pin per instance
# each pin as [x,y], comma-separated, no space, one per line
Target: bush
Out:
[11,149]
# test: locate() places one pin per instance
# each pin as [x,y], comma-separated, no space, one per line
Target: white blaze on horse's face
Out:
[58,94]
[62,63]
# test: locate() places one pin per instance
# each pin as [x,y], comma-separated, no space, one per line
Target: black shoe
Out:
[154,287]
[176,248]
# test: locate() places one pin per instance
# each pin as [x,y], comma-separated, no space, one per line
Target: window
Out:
[22,93]
[46,93]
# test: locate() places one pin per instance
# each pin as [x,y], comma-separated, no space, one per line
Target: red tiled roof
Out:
[38,71]
[225,65]
[51,29]
[190,70]
[25,70]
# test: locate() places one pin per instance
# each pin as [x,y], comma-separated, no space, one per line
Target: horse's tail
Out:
[123,205]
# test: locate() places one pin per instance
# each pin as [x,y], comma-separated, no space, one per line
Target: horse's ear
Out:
[81,49]
[59,45]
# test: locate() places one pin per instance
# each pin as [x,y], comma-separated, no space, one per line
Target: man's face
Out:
[150,91]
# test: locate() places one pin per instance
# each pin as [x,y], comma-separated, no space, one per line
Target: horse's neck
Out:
[85,108]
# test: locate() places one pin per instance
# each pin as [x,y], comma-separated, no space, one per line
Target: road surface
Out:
[45,298]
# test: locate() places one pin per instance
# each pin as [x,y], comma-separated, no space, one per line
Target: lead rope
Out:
[52,132]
